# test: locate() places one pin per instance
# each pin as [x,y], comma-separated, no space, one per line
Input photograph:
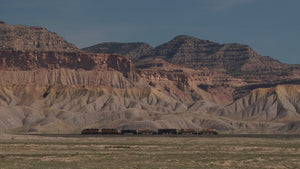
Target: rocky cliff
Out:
[32,38]
[235,59]
[131,50]
[233,65]
[185,83]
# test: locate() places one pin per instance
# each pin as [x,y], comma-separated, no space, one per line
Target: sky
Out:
[270,27]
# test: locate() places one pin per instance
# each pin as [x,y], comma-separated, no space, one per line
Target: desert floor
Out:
[28,151]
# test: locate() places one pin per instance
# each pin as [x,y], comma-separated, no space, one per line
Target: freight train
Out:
[150,132]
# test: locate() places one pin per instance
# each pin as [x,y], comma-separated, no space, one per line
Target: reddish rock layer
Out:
[47,84]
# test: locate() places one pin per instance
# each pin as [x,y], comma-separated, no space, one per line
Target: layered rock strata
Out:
[48,85]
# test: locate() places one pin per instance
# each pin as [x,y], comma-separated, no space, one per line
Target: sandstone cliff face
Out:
[18,67]
[66,77]
[32,38]
[131,50]
[236,60]
[185,50]
[27,60]
[185,83]
[226,66]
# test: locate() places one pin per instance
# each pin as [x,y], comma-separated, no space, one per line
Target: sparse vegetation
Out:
[148,152]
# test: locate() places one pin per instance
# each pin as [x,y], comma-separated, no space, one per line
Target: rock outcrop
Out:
[32,38]
[131,50]
[49,85]
[235,59]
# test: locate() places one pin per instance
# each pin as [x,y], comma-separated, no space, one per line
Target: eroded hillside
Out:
[48,85]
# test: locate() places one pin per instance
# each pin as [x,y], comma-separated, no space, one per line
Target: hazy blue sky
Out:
[271,27]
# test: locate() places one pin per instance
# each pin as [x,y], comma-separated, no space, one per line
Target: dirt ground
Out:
[26,151]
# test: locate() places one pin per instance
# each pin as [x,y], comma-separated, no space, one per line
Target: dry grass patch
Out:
[148,152]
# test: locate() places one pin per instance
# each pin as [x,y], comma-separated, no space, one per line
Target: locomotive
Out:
[166,131]
[91,131]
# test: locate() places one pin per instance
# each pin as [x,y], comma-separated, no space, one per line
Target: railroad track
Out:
[171,135]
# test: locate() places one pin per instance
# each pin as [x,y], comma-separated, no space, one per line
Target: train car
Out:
[208,131]
[110,131]
[167,131]
[187,131]
[147,132]
[91,131]
[128,132]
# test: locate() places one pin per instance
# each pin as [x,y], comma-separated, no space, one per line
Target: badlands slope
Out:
[50,86]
